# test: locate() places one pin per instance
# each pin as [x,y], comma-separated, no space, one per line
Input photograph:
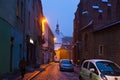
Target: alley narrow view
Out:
[59,39]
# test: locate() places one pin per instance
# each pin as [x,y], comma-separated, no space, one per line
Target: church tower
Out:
[57,29]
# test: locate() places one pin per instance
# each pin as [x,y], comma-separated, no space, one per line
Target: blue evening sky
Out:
[61,11]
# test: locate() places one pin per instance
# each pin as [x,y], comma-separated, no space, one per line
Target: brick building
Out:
[98,23]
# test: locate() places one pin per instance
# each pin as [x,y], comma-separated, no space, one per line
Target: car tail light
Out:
[103,77]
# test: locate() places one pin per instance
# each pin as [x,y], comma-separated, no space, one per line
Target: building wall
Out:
[8,11]
[8,32]
[87,43]
[48,46]
[19,21]
[51,45]
[13,35]
[95,17]
[5,46]
[33,29]
[17,47]
[109,39]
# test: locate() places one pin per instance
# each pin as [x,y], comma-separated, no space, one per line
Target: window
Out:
[95,7]
[20,10]
[105,1]
[107,67]
[91,65]
[101,49]
[85,65]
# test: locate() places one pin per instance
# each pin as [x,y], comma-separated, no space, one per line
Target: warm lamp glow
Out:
[55,38]
[43,25]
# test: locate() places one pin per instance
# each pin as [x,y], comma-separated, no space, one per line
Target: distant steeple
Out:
[57,28]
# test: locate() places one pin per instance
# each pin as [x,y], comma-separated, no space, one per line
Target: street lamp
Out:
[44,20]
[54,39]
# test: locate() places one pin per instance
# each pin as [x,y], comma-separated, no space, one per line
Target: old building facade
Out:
[65,51]
[33,31]
[48,45]
[11,34]
[21,33]
[98,23]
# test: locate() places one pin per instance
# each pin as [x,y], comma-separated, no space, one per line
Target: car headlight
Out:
[103,77]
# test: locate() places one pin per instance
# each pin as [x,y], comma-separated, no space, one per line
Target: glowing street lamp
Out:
[54,39]
[44,20]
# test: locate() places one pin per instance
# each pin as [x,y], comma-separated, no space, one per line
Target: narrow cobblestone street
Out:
[52,72]
[49,72]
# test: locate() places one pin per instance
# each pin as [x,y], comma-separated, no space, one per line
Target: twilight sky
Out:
[61,11]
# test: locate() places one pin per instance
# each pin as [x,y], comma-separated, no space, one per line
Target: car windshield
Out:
[66,62]
[108,68]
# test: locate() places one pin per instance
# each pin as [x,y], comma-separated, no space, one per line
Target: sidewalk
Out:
[30,73]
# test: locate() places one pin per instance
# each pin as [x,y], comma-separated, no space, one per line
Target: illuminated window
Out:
[95,7]
[104,0]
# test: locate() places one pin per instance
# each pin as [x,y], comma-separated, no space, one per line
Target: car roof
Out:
[96,60]
[65,59]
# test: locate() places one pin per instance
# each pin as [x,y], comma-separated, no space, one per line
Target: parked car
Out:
[66,65]
[99,69]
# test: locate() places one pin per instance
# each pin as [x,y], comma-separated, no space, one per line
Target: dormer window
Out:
[109,5]
[100,11]
[85,12]
[105,1]
[95,7]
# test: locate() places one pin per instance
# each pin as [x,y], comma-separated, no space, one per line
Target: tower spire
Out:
[57,28]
